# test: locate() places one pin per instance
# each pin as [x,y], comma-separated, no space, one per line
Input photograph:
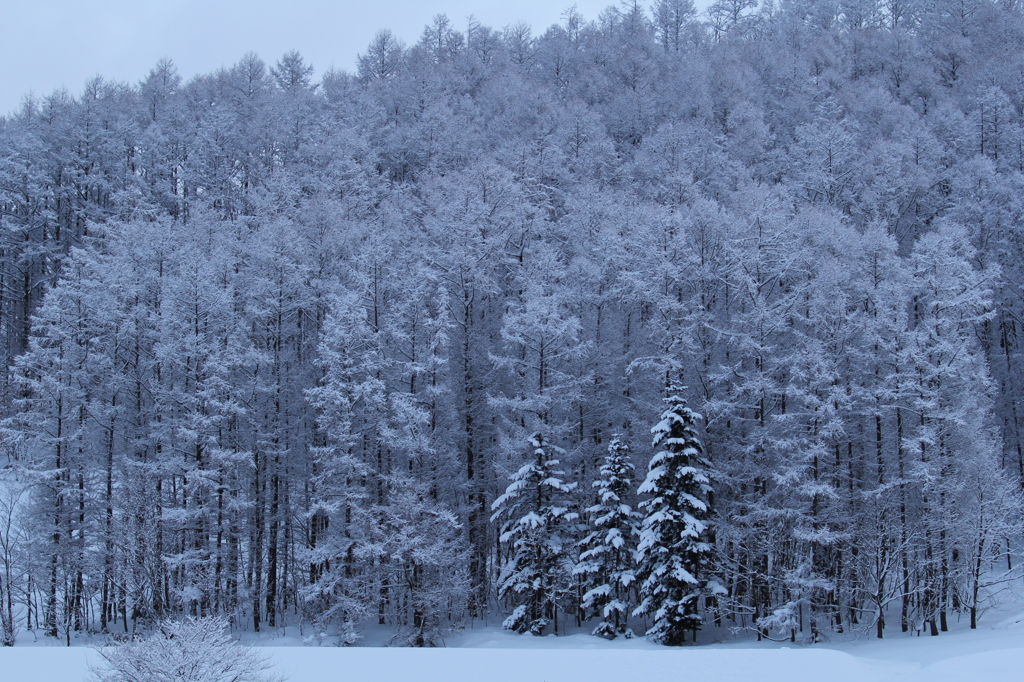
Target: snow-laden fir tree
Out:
[673,552]
[606,561]
[537,538]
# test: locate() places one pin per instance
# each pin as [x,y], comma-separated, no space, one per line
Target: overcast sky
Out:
[48,44]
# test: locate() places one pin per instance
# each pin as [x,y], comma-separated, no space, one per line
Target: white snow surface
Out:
[993,654]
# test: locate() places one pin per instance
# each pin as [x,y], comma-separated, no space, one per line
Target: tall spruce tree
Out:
[536,535]
[606,562]
[673,552]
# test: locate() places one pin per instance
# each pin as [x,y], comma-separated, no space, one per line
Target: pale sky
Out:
[48,44]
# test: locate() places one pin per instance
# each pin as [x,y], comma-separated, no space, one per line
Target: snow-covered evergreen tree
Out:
[606,562]
[535,533]
[673,552]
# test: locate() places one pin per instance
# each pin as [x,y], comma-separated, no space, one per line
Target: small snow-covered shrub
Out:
[518,621]
[538,626]
[189,650]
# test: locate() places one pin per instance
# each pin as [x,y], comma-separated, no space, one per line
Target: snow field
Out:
[60,664]
[582,659]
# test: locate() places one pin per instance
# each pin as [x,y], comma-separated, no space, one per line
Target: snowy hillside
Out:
[660,320]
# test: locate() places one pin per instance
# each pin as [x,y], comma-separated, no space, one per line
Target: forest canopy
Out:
[325,352]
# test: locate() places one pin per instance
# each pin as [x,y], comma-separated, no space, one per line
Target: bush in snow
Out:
[189,650]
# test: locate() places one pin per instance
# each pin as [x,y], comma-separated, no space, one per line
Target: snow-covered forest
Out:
[393,346]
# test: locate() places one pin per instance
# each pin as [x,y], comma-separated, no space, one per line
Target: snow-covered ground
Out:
[993,653]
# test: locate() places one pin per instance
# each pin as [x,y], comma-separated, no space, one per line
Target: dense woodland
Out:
[389,346]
